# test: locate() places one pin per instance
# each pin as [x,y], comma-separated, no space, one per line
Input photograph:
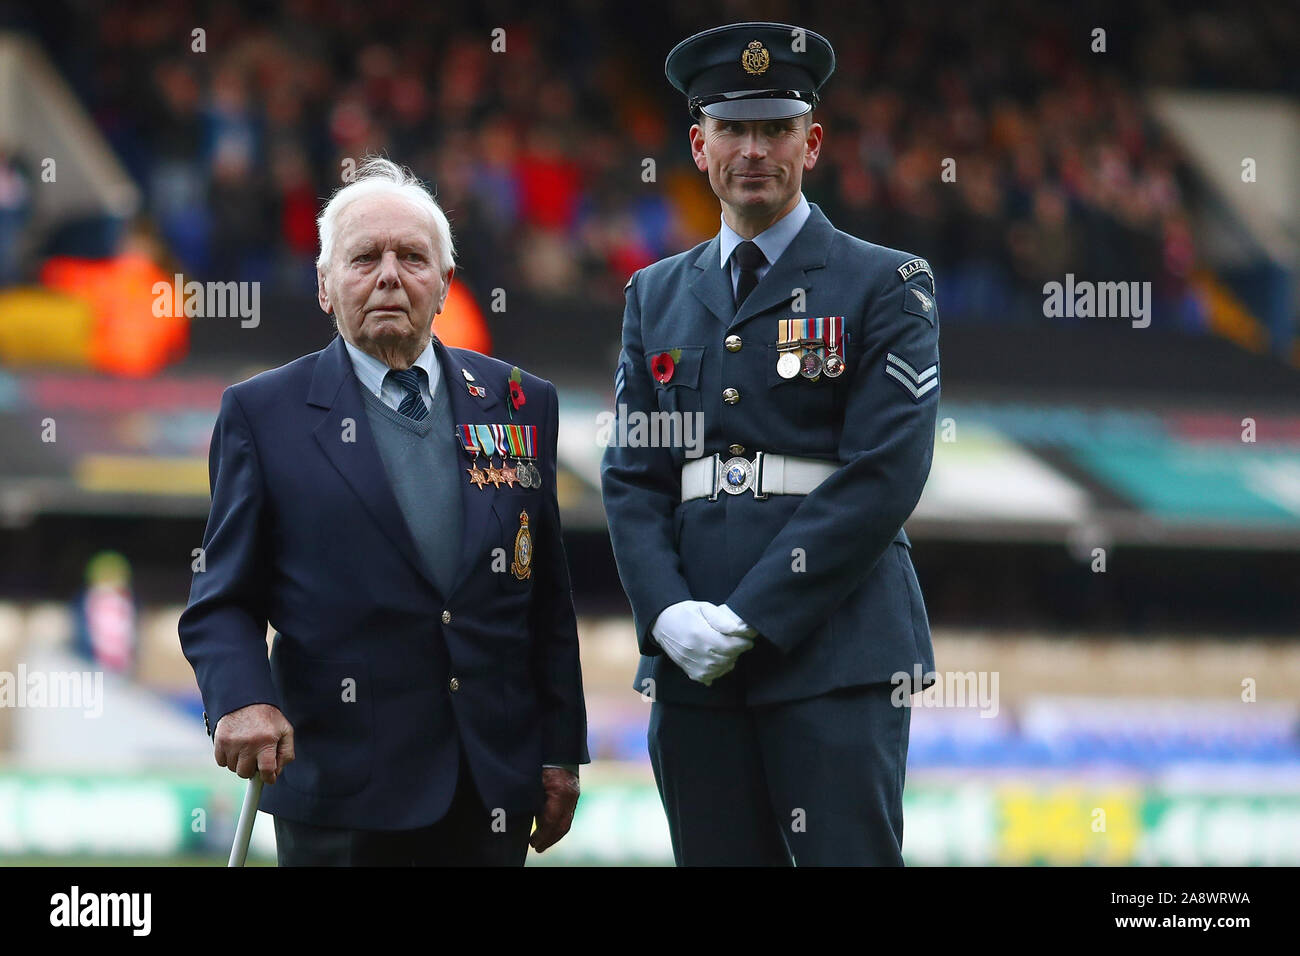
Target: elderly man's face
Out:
[382,283]
[756,167]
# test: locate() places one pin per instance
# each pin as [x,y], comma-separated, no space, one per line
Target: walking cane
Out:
[247,816]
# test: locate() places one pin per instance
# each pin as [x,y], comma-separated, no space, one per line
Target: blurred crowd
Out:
[539,151]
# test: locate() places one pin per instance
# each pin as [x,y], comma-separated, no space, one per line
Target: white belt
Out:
[765,475]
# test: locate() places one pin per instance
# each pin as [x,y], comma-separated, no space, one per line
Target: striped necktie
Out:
[412,406]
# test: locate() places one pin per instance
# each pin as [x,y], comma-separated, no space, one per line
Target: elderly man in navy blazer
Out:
[778,615]
[388,505]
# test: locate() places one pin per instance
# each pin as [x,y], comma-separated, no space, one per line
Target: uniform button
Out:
[446,617]
[737,449]
[454,684]
[730,395]
[732,342]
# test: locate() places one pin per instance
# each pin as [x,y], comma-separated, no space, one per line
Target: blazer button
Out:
[730,395]
[446,617]
[737,449]
[732,343]
[454,684]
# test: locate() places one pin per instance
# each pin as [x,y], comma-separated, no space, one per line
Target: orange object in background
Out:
[461,323]
[126,337]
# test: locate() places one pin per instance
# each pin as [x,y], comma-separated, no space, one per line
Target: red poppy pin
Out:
[517,397]
[664,364]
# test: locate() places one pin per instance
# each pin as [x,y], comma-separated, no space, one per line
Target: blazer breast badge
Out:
[522,568]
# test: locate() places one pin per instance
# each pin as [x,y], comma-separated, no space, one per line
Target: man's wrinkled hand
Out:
[254,739]
[553,823]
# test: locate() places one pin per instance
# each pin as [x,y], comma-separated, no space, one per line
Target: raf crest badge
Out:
[522,566]
[755,59]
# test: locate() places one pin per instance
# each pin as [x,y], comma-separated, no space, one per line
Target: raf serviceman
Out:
[774,598]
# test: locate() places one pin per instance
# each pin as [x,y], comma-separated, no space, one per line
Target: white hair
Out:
[379,176]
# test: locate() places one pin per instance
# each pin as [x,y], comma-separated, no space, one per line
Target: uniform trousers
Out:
[813,782]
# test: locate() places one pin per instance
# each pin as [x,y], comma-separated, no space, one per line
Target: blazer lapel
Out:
[806,253]
[476,503]
[334,386]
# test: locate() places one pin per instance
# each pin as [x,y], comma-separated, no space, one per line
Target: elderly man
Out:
[388,505]
[771,583]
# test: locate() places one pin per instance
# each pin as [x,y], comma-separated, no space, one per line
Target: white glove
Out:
[691,641]
[724,621]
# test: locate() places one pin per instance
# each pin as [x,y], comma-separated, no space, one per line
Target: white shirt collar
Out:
[773,240]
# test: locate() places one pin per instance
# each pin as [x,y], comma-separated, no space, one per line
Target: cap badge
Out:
[755,59]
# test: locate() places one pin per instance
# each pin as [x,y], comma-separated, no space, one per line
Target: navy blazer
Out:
[383,678]
[826,578]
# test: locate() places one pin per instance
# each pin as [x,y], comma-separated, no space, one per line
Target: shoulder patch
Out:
[919,300]
[912,267]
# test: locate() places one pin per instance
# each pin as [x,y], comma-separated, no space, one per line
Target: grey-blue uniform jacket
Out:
[826,578]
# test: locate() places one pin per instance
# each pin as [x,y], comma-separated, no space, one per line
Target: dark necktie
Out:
[412,406]
[749,257]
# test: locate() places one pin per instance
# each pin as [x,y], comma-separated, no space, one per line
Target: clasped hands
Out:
[704,639]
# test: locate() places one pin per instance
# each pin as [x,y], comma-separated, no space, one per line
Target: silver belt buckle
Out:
[737,475]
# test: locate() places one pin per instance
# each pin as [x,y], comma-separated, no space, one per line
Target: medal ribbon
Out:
[484,433]
[530,440]
[499,433]
[834,331]
[467,439]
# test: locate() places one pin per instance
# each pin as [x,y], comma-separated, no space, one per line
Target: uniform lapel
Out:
[712,285]
[476,503]
[806,252]
[334,386]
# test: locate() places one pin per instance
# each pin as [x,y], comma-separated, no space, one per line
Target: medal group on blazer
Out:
[811,347]
[506,441]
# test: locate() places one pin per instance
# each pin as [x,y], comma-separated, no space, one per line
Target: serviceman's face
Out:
[756,166]
[382,283]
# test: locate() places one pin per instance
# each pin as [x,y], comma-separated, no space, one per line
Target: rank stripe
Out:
[917,377]
[916,392]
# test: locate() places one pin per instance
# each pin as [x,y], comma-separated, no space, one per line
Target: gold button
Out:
[454,684]
[730,395]
[732,342]
[446,617]
[737,449]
